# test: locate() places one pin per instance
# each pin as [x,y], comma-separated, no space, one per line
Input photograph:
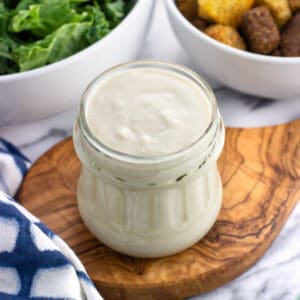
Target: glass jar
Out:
[150,206]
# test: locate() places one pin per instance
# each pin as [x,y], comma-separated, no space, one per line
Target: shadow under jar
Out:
[150,205]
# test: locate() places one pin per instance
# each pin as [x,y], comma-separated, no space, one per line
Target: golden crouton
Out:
[226,35]
[294,5]
[260,30]
[226,12]
[188,8]
[279,9]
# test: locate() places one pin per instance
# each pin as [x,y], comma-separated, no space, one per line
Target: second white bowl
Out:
[259,75]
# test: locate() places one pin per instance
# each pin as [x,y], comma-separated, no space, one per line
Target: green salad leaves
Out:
[35,33]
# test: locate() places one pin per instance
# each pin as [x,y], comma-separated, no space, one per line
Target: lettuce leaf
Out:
[115,11]
[99,24]
[65,41]
[34,33]
[44,18]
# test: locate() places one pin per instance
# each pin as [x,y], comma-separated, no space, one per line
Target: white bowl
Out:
[254,74]
[45,91]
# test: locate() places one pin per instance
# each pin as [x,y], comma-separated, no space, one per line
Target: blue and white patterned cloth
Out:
[34,262]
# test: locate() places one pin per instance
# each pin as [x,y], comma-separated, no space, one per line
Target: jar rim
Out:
[139,159]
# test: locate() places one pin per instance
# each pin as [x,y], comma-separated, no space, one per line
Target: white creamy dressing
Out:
[151,222]
[147,112]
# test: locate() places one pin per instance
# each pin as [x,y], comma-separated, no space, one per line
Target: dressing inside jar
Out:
[148,135]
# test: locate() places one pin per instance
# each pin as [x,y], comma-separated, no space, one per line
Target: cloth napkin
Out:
[34,262]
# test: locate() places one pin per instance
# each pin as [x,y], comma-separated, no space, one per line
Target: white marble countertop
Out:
[276,276]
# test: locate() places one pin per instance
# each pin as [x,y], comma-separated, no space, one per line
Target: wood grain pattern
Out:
[260,169]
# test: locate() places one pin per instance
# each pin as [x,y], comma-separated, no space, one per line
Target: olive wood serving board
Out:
[260,169]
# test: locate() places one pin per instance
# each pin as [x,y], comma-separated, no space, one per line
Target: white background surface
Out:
[277,275]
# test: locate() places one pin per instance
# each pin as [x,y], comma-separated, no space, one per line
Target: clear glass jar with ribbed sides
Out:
[148,135]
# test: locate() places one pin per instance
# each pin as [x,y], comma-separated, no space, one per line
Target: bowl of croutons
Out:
[252,46]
